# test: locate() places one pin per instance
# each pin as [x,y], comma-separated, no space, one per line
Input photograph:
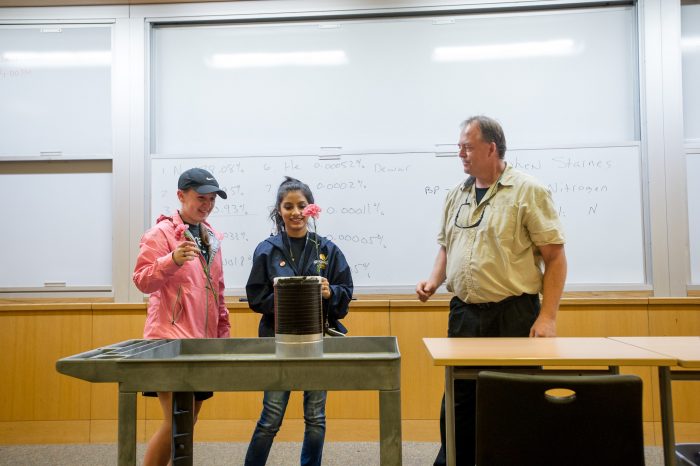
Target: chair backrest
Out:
[522,420]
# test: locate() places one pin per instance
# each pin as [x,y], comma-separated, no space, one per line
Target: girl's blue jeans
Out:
[274,406]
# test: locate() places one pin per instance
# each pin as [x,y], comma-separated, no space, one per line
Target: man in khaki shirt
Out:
[501,244]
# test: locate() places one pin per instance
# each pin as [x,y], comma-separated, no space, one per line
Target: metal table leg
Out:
[127,429]
[390,428]
[450,416]
[667,432]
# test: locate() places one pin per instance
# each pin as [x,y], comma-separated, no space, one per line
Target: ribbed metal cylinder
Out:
[298,317]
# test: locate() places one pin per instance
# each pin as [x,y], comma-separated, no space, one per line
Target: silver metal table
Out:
[244,364]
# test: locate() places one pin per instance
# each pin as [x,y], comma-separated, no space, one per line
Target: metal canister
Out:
[298,317]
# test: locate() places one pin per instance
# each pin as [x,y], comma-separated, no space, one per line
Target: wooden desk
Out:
[687,351]
[463,358]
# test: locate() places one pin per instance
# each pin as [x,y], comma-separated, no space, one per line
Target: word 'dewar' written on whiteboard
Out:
[384,210]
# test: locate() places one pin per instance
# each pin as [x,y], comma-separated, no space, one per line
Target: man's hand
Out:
[425,289]
[543,327]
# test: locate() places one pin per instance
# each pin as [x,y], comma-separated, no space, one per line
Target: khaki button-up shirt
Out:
[491,247]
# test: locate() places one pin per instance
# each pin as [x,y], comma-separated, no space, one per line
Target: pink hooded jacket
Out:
[180,304]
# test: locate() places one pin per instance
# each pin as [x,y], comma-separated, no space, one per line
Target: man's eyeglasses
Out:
[462,217]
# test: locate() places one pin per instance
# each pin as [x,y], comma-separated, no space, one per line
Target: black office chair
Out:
[595,420]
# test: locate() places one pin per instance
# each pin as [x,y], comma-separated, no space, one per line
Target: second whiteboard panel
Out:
[56,90]
[399,85]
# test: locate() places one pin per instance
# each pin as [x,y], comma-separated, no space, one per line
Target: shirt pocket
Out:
[502,222]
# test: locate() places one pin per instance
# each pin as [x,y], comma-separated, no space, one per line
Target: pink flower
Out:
[180,230]
[311,210]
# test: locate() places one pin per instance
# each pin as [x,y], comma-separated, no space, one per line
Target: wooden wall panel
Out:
[10,347]
[35,432]
[422,383]
[678,317]
[244,321]
[674,316]
[38,391]
[33,337]
[686,401]
[216,430]
[231,406]
[602,318]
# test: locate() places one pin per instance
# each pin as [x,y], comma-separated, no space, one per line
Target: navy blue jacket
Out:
[272,259]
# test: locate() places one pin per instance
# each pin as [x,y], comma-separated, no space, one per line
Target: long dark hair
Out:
[288,185]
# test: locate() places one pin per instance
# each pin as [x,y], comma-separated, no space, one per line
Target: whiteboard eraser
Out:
[55,284]
[51,30]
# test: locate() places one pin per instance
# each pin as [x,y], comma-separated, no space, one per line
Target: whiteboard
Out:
[690,47]
[55,89]
[383,210]
[693,167]
[58,228]
[397,85]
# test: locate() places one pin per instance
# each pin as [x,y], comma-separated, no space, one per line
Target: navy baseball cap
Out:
[201,181]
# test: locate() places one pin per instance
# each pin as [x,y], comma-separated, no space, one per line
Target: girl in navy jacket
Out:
[293,252]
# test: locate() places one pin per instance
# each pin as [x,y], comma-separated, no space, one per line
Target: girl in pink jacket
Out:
[180,266]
